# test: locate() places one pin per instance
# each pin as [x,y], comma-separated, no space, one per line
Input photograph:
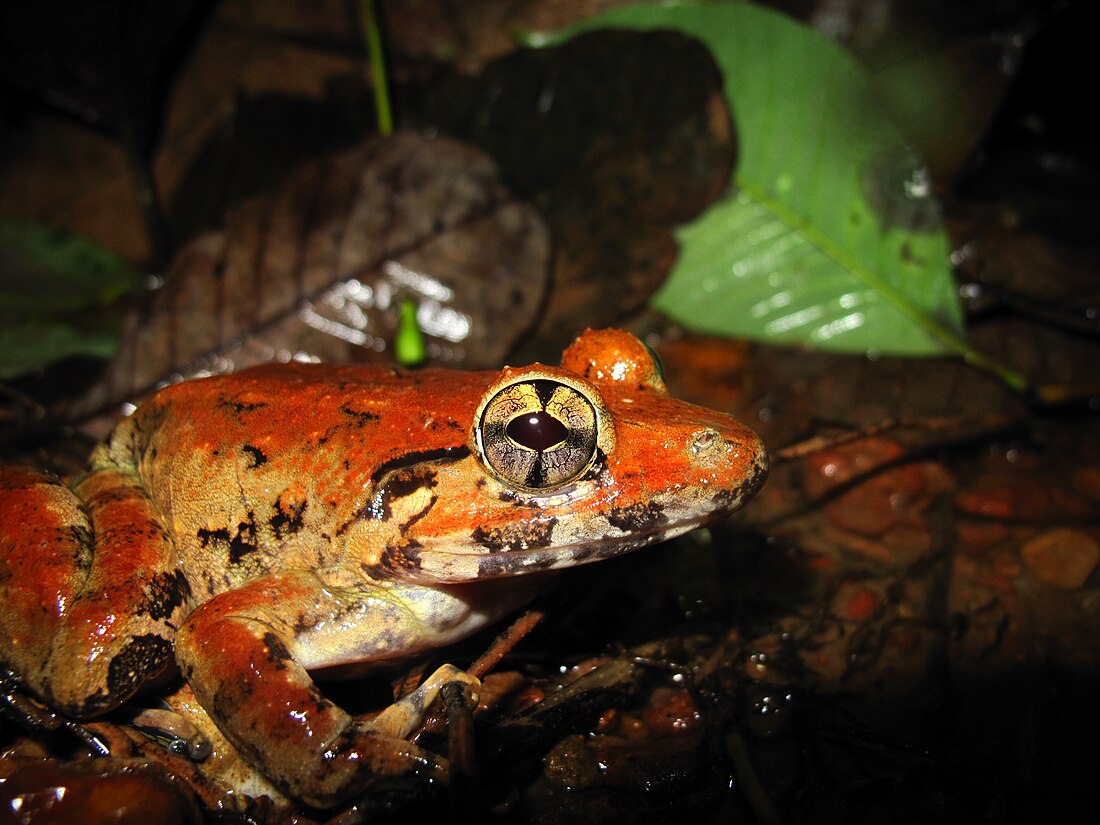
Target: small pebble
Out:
[1063,558]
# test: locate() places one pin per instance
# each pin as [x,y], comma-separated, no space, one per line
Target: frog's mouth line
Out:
[640,534]
[637,526]
[443,567]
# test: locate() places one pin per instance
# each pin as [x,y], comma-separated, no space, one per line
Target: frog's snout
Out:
[730,456]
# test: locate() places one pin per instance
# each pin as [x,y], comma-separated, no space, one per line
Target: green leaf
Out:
[832,238]
[48,272]
[32,345]
[55,288]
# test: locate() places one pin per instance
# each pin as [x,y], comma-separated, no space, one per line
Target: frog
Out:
[253,531]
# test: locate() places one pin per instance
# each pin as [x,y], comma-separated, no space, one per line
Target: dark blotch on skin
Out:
[288,518]
[528,536]
[724,498]
[144,657]
[238,546]
[375,572]
[442,455]
[165,592]
[277,652]
[637,518]
[401,557]
[597,473]
[361,417]
[256,455]
[245,541]
[242,406]
[755,481]
[519,501]
[208,537]
[302,626]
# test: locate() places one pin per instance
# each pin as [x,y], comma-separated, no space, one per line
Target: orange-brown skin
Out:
[256,526]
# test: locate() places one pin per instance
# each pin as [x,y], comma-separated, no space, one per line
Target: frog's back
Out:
[267,469]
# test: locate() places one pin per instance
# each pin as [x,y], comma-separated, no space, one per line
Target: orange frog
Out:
[253,527]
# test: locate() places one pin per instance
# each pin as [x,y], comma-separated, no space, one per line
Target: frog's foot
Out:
[91,597]
[235,654]
[405,715]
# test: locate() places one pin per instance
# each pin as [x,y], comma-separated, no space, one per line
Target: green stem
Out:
[377,59]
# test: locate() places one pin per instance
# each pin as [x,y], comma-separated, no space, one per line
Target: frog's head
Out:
[573,464]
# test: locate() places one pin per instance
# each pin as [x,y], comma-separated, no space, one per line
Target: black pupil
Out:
[536,431]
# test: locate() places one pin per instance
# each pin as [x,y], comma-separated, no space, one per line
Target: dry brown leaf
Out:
[316,271]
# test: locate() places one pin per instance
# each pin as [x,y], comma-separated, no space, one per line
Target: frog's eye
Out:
[538,434]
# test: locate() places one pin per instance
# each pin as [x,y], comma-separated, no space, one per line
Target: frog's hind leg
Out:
[89,588]
[236,653]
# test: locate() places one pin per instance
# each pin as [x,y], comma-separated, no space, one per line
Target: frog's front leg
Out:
[90,591]
[244,654]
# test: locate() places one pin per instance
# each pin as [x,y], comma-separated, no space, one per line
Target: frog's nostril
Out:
[705,441]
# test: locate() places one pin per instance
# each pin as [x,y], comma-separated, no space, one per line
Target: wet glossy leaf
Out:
[832,238]
[317,271]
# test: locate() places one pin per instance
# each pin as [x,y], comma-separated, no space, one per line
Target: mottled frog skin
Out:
[251,528]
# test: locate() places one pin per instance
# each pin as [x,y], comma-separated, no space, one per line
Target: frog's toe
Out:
[404,716]
[365,762]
